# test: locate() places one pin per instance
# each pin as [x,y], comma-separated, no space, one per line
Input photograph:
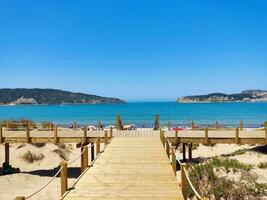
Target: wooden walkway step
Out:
[130,168]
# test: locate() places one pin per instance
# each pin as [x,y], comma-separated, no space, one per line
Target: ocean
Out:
[142,113]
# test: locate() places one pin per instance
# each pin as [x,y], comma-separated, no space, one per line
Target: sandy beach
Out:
[35,175]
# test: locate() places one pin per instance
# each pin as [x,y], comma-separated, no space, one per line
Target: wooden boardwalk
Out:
[129,168]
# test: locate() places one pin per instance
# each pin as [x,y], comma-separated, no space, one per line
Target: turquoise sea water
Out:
[142,113]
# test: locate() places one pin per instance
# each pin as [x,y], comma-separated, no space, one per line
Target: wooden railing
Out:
[185,180]
[63,167]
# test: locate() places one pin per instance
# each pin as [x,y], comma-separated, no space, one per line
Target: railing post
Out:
[174,160]
[237,135]
[92,152]
[64,177]
[190,147]
[265,126]
[118,122]
[111,132]
[27,134]
[241,126]
[1,134]
[7,154]
[156,124]
[84,158]
[176,136]
[184,182]
[167,147]
[184,151]
[206,135]
[85,135]
[106,137]
[98,146]
[55,135]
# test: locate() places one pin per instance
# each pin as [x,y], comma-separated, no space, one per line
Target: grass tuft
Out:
[31,157]
[238,152]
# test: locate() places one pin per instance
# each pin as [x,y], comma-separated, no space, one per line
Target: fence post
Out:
[106,137]
[27,134]
[64,177]
[184,182]
[156,124]
[265,126]
[167,146]
[92,151]
[241,126]
[118,122]
[190,147]
[184,151]
[7,154]
[237,135]
[85,135]
[174,160]
[206,135]
[1,134]
[111,132]
[55,135]
[84,158]
[176,136]
[98,146]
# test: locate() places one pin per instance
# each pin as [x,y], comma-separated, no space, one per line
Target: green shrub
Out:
[228,164]
[211,185]
[238,152]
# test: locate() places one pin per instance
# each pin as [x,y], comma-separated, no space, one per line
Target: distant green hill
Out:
[244,96]
[51,96]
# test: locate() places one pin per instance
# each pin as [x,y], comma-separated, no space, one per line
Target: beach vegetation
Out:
[238,152]
[63,151]
[229,164]
[31,157]
[225,179]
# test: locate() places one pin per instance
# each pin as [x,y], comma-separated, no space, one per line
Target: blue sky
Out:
[134,49]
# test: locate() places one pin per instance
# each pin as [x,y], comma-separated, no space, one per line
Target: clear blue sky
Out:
[134,49]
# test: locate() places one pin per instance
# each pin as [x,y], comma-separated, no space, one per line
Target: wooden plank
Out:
[129,168]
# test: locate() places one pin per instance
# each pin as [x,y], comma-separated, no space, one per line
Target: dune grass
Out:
[210,180]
